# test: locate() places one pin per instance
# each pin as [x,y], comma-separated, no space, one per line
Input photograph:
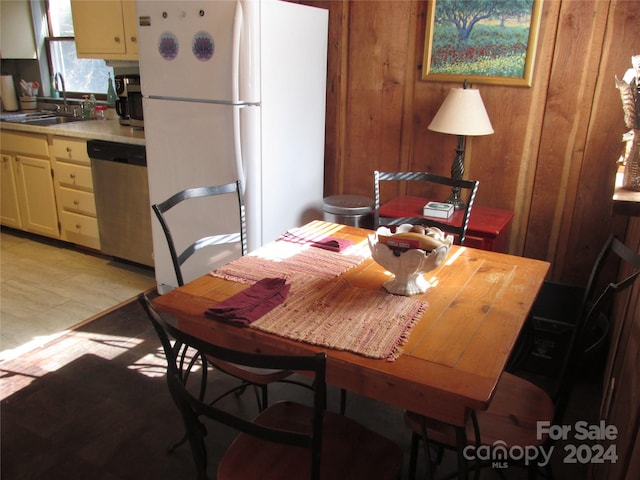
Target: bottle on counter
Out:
[84,107]
[111,93]
[92,106]
[54,87]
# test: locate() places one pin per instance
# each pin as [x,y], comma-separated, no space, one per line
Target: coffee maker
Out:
[123,87]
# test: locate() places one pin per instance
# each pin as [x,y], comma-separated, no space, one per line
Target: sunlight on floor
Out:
[154,364]
[36,342]
[58,354]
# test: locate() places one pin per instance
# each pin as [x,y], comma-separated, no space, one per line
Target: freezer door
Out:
[191,49]
[190,145]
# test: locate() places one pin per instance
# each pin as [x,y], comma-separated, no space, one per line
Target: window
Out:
[81,76]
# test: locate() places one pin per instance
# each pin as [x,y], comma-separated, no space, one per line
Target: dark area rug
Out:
[92,404]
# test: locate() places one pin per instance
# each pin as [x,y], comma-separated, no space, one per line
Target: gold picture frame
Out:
[494,57]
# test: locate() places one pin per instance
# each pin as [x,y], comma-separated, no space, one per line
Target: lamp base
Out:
[455,200]
[457,170]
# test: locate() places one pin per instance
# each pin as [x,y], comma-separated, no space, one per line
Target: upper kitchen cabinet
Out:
[16,30]
[105,29]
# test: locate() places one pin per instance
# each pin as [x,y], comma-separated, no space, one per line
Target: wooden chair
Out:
[287,440]
[457,224]
[518,404]
[256,377]
[555,317]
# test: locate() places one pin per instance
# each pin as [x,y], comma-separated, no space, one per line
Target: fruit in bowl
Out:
[409,253]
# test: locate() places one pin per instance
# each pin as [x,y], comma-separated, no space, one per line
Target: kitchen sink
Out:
[42,119]
[52,120]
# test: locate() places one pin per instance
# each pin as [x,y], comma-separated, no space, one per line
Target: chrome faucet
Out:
[64,89]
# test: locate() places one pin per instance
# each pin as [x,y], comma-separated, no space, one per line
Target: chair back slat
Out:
[458,228]
[178,259]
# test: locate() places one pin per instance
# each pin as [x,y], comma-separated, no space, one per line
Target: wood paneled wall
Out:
[552,157]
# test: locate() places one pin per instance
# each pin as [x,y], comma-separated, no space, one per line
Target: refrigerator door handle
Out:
[235,53]
[235,92]
[237,146]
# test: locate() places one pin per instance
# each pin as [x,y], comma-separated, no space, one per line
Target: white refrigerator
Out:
[233,90]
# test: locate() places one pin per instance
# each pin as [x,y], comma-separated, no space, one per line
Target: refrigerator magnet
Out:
[168,46]
[203,46]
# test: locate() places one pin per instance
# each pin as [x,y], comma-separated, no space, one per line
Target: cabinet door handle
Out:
[69,149]
[133,39]
[72,175]
[76,203]
[117,39]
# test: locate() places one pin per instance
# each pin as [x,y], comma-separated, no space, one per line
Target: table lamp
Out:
[463,114]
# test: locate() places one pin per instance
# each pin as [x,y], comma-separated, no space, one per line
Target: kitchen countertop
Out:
[108,130]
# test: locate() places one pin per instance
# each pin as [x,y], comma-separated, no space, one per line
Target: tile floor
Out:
[48,286]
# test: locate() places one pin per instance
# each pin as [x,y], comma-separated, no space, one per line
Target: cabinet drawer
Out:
[74,176]
[25,144]
[71,150]
[77,201]
[80,229]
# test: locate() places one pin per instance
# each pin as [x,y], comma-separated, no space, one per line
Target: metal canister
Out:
[352,210]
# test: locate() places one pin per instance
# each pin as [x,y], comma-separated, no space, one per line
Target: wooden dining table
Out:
[452,359]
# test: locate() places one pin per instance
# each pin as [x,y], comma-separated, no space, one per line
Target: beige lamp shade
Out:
[462,113]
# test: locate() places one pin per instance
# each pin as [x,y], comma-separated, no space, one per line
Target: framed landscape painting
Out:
[481,41]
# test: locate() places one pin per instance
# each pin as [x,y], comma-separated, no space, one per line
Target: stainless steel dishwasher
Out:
[121,191]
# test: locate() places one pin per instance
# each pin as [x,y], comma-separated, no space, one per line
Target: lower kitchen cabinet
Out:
[27,184]
[74,189]
[9,206]
[36,196]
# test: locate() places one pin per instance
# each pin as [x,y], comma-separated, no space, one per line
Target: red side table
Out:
[488,227]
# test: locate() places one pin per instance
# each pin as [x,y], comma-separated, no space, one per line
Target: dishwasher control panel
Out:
[117,152]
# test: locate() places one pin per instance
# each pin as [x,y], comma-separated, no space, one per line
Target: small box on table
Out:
[437,209]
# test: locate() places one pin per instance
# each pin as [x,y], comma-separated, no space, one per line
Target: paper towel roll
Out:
[8,94]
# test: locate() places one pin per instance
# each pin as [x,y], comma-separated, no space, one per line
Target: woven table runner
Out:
[283,259]
[323,310]
[334,314]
